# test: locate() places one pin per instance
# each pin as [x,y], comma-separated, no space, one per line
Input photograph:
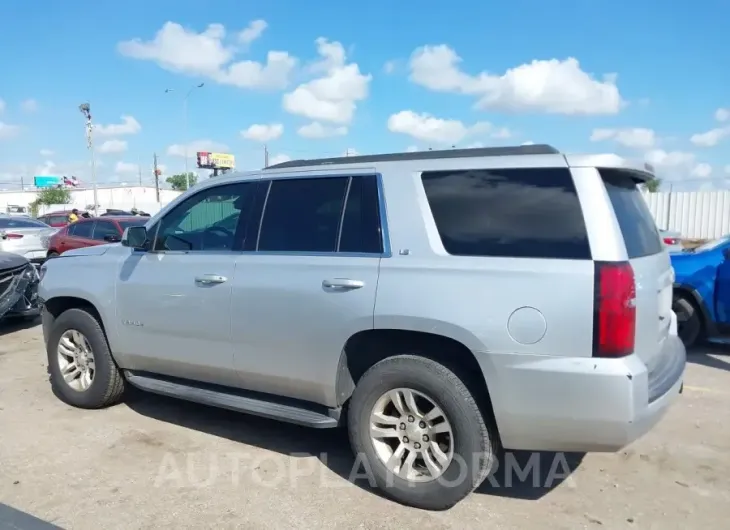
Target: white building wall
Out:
[122,198]
[695,214]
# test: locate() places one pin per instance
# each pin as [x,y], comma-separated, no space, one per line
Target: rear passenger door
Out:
[305,283]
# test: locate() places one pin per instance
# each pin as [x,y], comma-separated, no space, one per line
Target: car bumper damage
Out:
[19,292]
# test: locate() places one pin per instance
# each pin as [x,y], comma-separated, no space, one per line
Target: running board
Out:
[226,400]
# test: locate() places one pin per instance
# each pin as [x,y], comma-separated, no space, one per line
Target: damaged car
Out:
[18,287]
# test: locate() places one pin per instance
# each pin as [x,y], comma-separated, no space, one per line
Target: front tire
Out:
[420,431]
[83,372]
[689,321]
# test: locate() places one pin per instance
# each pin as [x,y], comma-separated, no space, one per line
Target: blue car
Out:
[702,291]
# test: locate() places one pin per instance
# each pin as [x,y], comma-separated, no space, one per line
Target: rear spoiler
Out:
[639,171]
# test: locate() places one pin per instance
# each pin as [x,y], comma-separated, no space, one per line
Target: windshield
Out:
[713,244]
[14,222]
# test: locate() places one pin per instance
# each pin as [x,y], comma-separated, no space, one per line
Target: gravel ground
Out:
[154,463]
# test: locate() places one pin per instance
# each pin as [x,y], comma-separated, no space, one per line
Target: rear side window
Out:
[520,213]
[641,235]
[303,215]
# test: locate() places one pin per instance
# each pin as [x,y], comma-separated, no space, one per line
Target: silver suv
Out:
[442,305]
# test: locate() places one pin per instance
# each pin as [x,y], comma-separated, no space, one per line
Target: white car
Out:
[672,240]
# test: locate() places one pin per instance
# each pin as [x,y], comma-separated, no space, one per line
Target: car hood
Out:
[97,250]
[9,260]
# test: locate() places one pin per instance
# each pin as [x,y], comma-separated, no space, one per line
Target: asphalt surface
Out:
[153,462]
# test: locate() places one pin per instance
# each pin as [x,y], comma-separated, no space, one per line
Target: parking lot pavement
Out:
[154,462]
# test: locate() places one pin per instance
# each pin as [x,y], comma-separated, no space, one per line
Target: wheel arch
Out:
[690,293]
[55,306]
[368,347]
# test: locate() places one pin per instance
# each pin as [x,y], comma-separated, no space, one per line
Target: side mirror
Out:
[726,253]
[112,238]
[135,237]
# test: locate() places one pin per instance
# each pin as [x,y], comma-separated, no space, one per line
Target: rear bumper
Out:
[581,404]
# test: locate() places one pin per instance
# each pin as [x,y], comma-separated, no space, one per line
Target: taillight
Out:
[670,241]
[614,324]
[12,236]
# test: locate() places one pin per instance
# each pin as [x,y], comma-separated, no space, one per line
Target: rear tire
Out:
[468,442]
[102,388]
[689,320]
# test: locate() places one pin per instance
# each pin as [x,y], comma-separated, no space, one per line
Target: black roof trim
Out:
[534,149]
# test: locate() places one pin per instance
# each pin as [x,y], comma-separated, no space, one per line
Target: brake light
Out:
[12,236]
[670,241]
[614,325]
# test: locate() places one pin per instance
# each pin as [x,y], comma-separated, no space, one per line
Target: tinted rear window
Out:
[521,213]
[641,235]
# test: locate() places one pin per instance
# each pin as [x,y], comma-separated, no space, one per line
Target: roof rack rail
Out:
[532,149]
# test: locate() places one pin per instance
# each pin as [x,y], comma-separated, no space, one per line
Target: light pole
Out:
[185,125]
[85,109]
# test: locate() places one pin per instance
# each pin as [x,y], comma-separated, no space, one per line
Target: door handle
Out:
[342,284]
[210,279]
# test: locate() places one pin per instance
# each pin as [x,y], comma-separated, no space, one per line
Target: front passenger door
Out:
[173,302]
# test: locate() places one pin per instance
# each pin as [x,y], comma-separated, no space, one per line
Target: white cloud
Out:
[194,147]
[180,50]
[263,132]
[501,134]
[29,105]
[528,142]
[390,66]
[428,128]
[638,137]
[317,130]
[113,146]
[727,168]
[128,126]
[332,97]
[126,167]
[677,165]
[412,149]
[722,114]
[252,32]
[549,86]
[2,105]
[46,152]
[701,170]
[8,131]
[710,138]
[278,159]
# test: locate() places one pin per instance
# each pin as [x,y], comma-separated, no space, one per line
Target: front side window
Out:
[82,229]
[104,229]
[195,224]
[519,213]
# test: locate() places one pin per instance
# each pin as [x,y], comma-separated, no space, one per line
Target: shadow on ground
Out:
[517,475]
[11,325]
[712,356]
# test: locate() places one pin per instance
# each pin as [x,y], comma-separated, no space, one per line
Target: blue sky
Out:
[644,79]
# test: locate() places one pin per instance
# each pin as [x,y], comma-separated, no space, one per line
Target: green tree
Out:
[48,197]
[653,185]
[179,182]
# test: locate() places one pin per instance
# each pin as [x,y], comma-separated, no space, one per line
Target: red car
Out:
[56,219]
[90,232]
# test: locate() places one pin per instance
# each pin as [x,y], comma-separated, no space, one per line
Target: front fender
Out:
[91,279]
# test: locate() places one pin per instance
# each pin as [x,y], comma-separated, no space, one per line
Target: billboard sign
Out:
[46,181]
[207,160]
